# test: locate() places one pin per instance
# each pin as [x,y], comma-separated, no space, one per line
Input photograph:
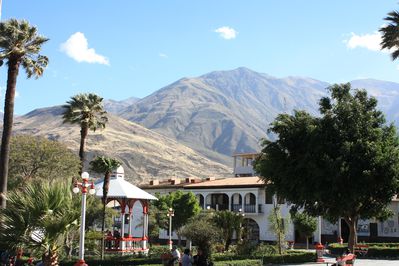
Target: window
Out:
[268,196]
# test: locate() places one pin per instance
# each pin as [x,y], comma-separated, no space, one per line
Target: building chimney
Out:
[154,182]
[210,178]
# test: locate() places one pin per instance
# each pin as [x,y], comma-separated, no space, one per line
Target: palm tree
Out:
[19,46]
[390,34]
[104,165]
[39,217]
[228,222]
[87,110]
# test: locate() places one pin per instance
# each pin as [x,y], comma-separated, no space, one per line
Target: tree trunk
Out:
[105,195]
[179,240]
[13,67]
[51,259]
[227,245]
[83,134]
[352,223]
[307,243]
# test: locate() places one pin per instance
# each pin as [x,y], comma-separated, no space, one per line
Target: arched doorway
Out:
[218,201]
[200,200]
[250,203]
[251,229]
[236,202]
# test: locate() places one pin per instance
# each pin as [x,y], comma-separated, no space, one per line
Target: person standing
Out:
[175,256]
[187,260]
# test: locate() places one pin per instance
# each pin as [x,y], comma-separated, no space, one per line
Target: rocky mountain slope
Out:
[224,112]
[145,154]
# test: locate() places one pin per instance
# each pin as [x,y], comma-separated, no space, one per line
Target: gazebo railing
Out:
[124,244]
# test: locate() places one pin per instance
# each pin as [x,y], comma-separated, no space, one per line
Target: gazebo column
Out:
[123,229]
[129,230]
[145,225]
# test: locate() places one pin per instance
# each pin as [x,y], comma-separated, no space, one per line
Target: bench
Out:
[346,260]
[360,249]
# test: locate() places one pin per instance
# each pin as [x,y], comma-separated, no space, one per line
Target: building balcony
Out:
[244,170]
[236,207]
[250,208]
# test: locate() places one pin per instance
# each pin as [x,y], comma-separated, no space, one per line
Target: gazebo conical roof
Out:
[119,188]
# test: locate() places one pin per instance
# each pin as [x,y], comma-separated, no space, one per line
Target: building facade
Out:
[247,194]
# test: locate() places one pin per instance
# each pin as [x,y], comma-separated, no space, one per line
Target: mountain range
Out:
[144,154]
[215,115]
[225,112]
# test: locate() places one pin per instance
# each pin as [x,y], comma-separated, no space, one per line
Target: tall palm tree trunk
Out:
[51,258]
[105,196]
[13,67]
[83,134]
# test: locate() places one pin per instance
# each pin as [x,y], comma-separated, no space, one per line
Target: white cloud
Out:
[370,41]
[163,55]
[78,49]
[227,32]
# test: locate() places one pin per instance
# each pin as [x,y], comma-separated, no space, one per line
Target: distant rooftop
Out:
[191,183]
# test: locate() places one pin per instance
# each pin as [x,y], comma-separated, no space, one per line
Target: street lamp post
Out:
[82,186]
[170,214]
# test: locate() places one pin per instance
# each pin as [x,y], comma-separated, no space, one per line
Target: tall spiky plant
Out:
[20,45]
[38,218]
[86,110]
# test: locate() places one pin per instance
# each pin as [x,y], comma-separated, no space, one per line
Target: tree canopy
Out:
[344,163]
[39,158]
[390,36]
[184,204]
[86,110]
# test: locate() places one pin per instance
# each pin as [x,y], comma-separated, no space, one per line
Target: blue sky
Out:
[141,46]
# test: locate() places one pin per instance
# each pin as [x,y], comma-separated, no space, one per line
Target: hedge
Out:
[375,250]
[219,259]
[239,263]
[289,257]
[117,262]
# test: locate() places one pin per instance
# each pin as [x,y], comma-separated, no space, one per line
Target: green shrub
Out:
[245,248]
[264,250]
[382,252]
[156,251]
[291,257]
[239,263]
[113,262]
[375,250]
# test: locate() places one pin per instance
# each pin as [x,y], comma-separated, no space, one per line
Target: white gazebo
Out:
[126,194]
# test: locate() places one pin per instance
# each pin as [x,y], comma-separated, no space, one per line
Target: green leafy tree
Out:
[86,110]
[228,222]
[104,165]
[201,230]
[185,205]
[390,36]
[305,224]
[279,226]
[39,158]
[38,218]
[344,163]
[20,44]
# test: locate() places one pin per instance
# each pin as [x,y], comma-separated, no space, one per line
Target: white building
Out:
[244,193]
